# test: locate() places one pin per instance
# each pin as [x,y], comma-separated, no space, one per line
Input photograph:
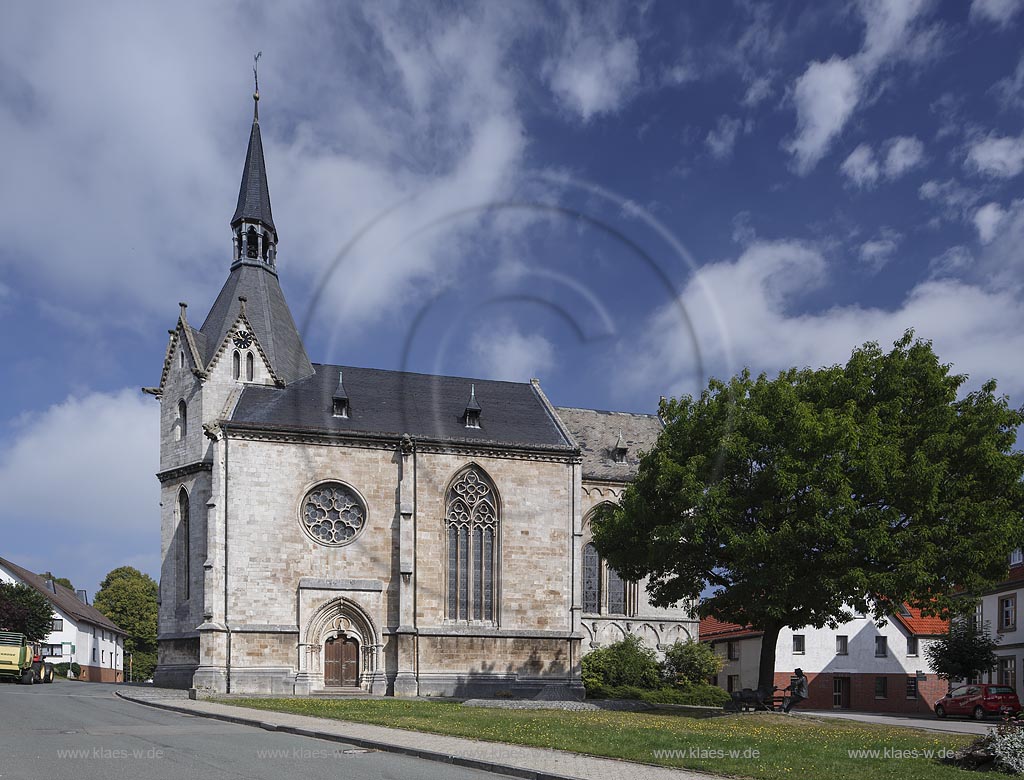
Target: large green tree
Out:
[128,597]
[804,497]
[25,611]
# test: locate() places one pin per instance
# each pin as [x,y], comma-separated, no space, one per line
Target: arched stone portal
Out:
[340,647]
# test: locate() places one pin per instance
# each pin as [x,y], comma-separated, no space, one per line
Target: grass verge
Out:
[761,745]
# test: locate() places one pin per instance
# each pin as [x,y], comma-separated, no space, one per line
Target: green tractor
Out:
[20,661]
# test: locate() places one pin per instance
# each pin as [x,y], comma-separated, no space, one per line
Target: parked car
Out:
[977,701]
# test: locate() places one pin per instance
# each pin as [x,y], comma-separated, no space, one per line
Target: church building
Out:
[331,527]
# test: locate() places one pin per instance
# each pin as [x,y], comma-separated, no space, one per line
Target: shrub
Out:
[690,662]
[700,695]
[61,670]
[1007,743]
[628,662]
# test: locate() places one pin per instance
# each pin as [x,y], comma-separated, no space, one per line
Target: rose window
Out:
[333,514]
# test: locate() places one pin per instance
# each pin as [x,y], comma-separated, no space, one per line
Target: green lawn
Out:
[796,747]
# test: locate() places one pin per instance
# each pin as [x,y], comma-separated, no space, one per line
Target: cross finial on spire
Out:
[256,93]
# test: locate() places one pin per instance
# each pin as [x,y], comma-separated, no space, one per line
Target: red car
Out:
[977,701]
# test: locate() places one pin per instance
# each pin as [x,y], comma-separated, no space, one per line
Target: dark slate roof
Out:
[63,599]
[392,403]
[597,432]
[254,193]
[267,313]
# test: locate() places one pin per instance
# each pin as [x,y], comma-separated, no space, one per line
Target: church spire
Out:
[255,237]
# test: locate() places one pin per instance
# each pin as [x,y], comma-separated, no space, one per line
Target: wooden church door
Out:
[341,663]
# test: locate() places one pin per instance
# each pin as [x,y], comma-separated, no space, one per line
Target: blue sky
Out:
[618,198]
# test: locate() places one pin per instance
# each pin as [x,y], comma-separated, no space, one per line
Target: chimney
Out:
[82,596]
[51,585]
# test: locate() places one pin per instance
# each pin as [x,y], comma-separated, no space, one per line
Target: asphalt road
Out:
[82,731]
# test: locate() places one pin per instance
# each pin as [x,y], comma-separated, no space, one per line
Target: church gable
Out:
[610,442]
[241,357]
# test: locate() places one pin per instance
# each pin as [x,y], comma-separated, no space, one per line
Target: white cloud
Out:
[760,89]
[828,92]
[508,354]
[877,252]
[987,219]
[997,156]
[825,96]
[722,138]
[955,261]
[745,312]
[1001,12]
[416,108]
[903,153]
[954,198]
[1010,90]
[860,167]
[84,470]
[597,67]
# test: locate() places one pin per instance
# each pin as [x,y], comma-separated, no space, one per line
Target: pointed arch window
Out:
[184,544]
[250,366]
[472,522]
[236,364]
[181,423]
[591,580]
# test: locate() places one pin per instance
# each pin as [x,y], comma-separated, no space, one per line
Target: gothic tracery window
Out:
[591,580]
[472,521]
[333,514]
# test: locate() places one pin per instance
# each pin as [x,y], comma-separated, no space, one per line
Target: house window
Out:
[881,647]
[733,683]
[1008,613]
[51,651]
[94,654]
[1008,672]
[733,651]
[798,644]
[911,645]
[591,580]
[236,364]
[911,687]
[842,645]
[184,544]
[57,624]
[250,366]
[976,618]
[1017,557]
[881,687]
[472,518]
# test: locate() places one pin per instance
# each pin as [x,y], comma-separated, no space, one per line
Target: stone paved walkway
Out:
[520,761]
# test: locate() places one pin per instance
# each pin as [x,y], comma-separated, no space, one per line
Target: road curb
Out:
[385,747]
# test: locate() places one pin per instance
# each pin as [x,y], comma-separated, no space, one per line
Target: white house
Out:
[81,633]
[857,666]
[998,609]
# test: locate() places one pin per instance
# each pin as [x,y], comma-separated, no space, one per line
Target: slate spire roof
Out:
[254,192]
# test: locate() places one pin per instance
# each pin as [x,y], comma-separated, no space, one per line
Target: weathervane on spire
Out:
[256,78]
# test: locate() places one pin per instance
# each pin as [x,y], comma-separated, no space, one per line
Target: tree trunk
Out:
[766,666]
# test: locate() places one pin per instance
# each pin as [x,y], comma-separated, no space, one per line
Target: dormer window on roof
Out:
[472,413]
[620,449]
[340,400]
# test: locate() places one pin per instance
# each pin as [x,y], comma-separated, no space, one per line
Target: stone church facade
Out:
[334,527]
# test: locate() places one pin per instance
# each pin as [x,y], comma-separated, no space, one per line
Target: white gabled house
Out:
[999,609]
[81,633]
[857,666]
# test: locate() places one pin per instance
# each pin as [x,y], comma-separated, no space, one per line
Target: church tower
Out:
[248,338]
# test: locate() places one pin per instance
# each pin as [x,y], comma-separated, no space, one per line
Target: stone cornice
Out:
[184,471]
[491,631]
[263,432]
[317,583]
